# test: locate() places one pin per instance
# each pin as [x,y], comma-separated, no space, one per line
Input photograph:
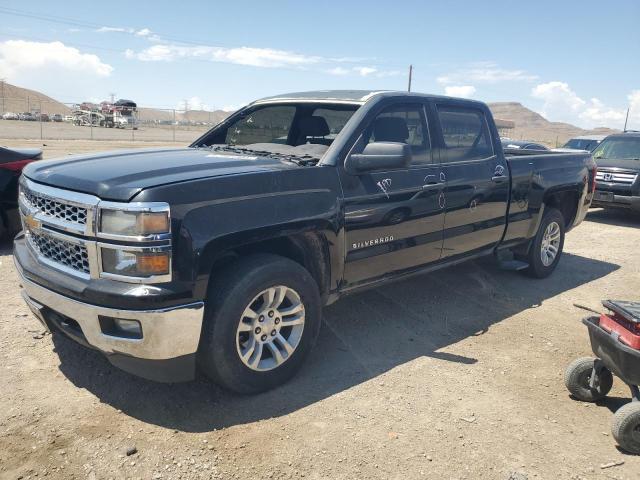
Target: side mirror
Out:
[379,156]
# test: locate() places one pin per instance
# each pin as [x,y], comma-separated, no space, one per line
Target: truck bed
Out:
[535,174]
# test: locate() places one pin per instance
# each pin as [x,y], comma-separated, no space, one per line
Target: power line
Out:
[163,36]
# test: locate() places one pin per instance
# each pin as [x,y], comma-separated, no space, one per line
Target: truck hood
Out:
[120,175]
[612,163]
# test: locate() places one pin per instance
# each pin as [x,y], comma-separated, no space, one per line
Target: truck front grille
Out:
[616,177]
[60,252]
[56,208]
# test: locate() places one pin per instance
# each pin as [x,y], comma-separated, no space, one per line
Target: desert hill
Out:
[530,125]
[17,100]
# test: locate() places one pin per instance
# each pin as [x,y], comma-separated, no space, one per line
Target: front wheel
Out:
[546,248]
[577,379]
[262,319]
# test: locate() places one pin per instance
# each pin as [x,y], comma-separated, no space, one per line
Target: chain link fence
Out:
[33,119]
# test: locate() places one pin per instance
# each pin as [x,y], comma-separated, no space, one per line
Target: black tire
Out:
[229,294]
[537,268]
[577,377]
[625,427]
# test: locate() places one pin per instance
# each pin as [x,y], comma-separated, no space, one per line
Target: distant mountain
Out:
[17,100]
[530,125]
[155,114]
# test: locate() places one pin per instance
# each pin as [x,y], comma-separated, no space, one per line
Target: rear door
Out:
[477,180]
[394,219]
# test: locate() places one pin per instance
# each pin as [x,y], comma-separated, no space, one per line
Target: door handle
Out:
[431,180]
[498,178]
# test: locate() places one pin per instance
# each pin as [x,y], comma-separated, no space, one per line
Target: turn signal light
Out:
[153,264]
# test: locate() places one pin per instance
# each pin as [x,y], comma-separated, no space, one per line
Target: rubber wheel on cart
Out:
[577,378]
[262,318]
[546,248]
[626,427]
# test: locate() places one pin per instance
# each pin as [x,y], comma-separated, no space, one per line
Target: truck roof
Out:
[358,97]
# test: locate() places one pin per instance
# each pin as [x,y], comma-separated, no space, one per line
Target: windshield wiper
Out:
[302,160]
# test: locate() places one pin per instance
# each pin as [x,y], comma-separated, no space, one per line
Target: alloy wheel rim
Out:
[550,244]
[270,328]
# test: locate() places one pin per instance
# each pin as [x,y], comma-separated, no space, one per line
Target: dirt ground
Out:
[453,375]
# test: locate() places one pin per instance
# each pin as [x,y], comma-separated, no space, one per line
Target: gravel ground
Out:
[452,375]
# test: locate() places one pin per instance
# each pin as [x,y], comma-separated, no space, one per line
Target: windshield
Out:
[618,148]
[302,129]
[581,144]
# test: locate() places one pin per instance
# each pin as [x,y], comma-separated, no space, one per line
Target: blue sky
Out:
[572,61]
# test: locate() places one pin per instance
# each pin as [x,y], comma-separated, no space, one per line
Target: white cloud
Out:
[193,103]
[338,71]
[114,29]
[20,56]
[143,32]
[485,72]
[464,91]
[561,103]
[364,71]
[257,57]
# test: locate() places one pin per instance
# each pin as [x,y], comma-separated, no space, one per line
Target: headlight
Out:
[144,220]
[143,262]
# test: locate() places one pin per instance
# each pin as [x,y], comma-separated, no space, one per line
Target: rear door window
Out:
[465,133]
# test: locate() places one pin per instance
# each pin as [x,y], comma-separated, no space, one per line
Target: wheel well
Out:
[307,249]
[566,202]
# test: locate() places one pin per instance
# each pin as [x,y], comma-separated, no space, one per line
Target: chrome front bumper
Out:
[167,334]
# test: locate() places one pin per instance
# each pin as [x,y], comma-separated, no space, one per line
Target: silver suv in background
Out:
[585,142]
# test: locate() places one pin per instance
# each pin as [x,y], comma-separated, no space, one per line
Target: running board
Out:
[507,261]
[513,265]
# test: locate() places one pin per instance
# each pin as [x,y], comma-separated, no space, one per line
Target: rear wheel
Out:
[626,427]
[546,248]
[262,319]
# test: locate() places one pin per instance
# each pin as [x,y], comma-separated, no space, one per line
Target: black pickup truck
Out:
[221,255]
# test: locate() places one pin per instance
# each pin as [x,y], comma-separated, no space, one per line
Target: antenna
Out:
[410,75]
[626,119]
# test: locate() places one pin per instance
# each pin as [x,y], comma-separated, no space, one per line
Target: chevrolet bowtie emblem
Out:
[31,222]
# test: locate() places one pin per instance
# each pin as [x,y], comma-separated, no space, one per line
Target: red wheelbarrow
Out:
[615,341]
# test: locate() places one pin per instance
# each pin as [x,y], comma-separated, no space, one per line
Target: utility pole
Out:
[626,119]
[410,75]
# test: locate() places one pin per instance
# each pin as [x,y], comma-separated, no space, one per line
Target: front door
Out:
[394,219]
[477,181]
